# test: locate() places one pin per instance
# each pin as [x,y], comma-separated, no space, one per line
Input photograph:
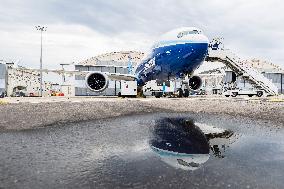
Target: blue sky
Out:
[77,30]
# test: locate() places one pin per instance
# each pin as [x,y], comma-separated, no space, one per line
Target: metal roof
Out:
[114,59]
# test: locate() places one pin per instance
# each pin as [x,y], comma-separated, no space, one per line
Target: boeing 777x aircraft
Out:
[175,55]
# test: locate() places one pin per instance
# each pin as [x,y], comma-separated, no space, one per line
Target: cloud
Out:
[80,29]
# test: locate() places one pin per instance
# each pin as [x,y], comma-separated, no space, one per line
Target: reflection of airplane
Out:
[181,144]
[176,55]
[183,161]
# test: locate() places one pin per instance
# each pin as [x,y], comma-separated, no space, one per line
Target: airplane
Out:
[177,54]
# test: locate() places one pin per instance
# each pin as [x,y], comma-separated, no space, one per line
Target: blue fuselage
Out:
[171,61]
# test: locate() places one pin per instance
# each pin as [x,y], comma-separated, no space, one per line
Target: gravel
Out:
[35,113]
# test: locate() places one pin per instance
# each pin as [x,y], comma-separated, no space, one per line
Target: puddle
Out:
[146,151]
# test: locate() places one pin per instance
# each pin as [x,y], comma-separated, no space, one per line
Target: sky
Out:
[78,30]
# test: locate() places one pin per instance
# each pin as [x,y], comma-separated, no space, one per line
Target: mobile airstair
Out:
[241,68]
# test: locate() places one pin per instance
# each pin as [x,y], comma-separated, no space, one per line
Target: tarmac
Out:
[26,113]
[198,142]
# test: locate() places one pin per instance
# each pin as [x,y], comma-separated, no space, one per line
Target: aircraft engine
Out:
[97,81]
[195,82]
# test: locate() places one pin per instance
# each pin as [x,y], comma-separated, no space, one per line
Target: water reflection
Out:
[182,144]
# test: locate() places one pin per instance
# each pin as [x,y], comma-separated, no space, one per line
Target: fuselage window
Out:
[184,33]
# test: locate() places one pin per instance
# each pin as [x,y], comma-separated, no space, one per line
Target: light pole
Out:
[41,29]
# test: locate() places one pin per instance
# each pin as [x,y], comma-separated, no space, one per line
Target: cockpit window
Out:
[184,33]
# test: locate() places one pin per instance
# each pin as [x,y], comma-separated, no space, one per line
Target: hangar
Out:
[3,78]
[20,81]
[115,62]
[15,81]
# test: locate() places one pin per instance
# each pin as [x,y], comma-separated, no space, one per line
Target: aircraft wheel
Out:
[158,95]
[180,93]
[250,95]
[227,95]
[234,94]
[119,94]
[186,93]
[259,93]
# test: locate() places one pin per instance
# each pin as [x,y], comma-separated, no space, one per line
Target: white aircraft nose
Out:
[198,38]
[204,38]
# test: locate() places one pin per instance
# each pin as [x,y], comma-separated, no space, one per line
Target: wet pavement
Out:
[145,151]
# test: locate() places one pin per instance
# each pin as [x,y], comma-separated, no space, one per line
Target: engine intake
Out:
[97,81]
[195,82]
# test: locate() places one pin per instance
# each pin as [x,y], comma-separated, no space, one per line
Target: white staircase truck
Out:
[259,81]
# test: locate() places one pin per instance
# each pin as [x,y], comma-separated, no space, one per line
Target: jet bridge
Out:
[241,68]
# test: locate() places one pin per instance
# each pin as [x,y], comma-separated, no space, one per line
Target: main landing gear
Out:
[182,93]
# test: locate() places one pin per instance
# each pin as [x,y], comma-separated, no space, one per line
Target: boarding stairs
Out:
[241,68]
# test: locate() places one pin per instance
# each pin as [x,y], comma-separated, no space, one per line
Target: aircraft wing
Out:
[117,76]
[112,76]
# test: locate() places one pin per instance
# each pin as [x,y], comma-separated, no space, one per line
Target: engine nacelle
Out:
[97,81]
[195,82]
